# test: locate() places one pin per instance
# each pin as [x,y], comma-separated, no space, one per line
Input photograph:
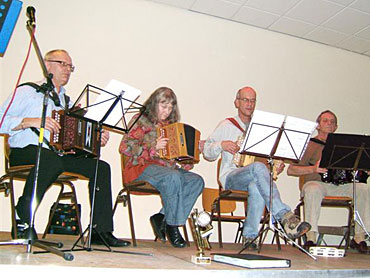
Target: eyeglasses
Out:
[64,64]
[250,100]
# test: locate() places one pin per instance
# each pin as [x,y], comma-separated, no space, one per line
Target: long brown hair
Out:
[161,95]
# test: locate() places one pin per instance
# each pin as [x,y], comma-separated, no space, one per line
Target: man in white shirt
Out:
[254,178]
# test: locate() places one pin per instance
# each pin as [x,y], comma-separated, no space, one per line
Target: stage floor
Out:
[160,259]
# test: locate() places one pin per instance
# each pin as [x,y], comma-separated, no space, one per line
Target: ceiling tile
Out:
[348,21]
[365,33]
[355,44]
[342,2]
[218,8]
[326,36]
[362,5]
[273,6]
[185,4]
[292,27]
[367,53]
[255,17]
[314,11]
[239,2]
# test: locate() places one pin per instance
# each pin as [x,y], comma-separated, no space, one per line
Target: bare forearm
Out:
[297,170]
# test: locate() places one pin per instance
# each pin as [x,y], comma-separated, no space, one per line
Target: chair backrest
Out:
[6,150]
[209,195]
[220,187]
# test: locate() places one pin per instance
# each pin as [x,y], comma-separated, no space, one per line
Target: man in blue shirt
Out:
[24,114]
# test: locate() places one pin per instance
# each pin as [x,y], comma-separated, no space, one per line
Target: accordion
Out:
[183,143]
[241,160]
[76,135]
[339,176]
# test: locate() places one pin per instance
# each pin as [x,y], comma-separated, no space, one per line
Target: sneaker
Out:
[249,244]
[293,226]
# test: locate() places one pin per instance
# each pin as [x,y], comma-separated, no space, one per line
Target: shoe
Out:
[159,226]
[293,225]
[174,236]
[107,238]
[21,228]
[361,247]
[308,244]
[248,244]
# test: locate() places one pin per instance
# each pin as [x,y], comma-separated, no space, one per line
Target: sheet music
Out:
[262,132]
[293,141]
[264,129]
[128,95]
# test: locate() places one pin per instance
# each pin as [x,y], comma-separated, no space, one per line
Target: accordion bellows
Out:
[183,143]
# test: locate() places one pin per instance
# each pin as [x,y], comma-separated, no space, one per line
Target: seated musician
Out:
[23,115]
[179,188]
[254,178]
[314,189]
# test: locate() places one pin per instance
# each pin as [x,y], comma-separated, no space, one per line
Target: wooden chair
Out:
[227,209]
[226,195]
[332,202]
[21,173]
[138,188]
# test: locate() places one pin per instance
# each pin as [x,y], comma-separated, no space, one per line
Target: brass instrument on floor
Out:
[201,228]
[241,160]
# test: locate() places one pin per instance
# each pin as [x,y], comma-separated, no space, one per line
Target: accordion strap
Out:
[54,95]
[234,122]
[317,141]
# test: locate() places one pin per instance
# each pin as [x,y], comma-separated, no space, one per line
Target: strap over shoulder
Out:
[232,120]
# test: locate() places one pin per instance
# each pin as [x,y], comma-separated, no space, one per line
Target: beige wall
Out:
[204,59]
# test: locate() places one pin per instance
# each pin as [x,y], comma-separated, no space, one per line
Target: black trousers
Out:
[51,166]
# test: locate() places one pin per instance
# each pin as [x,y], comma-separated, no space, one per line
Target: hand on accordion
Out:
[161,143]
[319,170]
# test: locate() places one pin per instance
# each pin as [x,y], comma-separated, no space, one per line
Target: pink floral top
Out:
[138,146]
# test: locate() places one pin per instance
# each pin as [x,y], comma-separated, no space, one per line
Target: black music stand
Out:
[115,103]
[348,152]
[279,142]
[47,89]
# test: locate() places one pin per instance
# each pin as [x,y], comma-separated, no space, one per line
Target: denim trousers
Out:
[255,178]
[179,191]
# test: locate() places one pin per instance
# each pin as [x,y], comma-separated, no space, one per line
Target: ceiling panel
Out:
[343,24]
[255,17]
[292,27]
[349,21]
[314,11]
[273,6]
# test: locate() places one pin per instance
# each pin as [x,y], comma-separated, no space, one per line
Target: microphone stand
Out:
[30,237]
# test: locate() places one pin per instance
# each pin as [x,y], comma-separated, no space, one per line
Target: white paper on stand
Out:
[104,101]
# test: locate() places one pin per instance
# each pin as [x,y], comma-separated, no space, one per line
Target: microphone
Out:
[31,15]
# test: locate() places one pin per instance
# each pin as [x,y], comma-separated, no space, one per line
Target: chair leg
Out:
[186,235]
[219,223]
[12,207]
[350,224]
[74,201]
[120,199]
[131,218]
[8,190]
[53,209]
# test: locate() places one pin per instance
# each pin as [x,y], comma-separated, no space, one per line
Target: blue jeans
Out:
[255,178]
[179,190]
